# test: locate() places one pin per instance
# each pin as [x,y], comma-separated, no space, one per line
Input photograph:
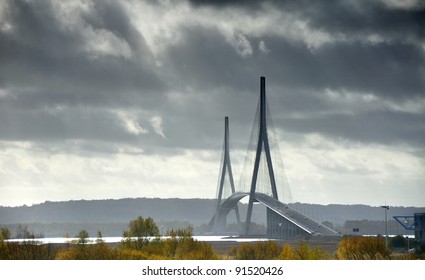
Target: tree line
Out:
[142,241]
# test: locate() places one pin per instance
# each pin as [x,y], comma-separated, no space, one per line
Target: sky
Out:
[116,99]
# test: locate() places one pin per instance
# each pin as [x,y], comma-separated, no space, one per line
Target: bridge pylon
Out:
[283,222]
[262,145]
[220,220]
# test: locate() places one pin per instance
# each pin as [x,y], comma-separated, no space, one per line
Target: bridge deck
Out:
[310,226]
[303,222]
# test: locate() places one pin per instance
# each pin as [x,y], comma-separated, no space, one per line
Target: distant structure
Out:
[226,168]
[415,223]
[283,222]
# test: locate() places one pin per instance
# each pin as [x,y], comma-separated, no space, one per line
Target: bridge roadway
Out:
[303,222]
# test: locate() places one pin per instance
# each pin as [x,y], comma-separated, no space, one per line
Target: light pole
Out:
[386,207]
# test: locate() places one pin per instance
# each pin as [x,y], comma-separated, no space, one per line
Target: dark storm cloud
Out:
[206,61]
[49,57]
[71,124]
[44,67]
[111,16]
[362,17]
[47,65]
[389,70]
[358,17]
[226,3]
[296,79]
[392,67]
[383,127]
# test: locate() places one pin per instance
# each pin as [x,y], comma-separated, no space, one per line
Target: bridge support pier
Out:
[220,222]
[280,228]
[263,141]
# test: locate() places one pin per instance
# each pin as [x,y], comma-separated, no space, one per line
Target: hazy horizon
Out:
[243,201]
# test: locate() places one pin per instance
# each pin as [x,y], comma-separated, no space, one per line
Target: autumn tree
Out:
[141,228]
[4,233]
[269,250]
[82,236]
[363,248]
[305,252]
[287,253]
[182,246]
[139,231]
[266,250]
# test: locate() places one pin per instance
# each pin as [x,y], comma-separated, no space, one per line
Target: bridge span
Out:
[283,222]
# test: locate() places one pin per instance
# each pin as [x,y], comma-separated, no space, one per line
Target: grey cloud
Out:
[37,125]
[34,25]
[393,71]
[390,70]
[43,67]
[111,16]
[43,56]
[81,131]
[206,61]
[362,18]
[381,127]
[251,4]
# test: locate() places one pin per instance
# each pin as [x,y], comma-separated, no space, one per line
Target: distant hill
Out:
[117,213]
[107,211]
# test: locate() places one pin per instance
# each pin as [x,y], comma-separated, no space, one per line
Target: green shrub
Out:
[26,251]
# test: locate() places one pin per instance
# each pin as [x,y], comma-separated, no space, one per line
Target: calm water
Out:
[60,240]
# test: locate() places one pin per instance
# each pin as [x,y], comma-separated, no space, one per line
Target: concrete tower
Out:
[262,146]
[220,222]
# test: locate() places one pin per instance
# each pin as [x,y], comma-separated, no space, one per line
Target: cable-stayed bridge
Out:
[263,181]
